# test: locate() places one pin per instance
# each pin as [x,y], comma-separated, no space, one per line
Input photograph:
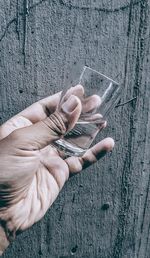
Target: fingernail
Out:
[70,104]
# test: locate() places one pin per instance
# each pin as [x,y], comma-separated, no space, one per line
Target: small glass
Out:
[105,93]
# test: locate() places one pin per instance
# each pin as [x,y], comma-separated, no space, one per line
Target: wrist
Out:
[4,241]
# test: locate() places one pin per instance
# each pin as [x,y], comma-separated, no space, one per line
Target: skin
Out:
[32,173]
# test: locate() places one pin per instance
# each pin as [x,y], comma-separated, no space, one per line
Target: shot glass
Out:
[98,99]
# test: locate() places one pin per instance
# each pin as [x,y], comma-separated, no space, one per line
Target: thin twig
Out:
[124,103]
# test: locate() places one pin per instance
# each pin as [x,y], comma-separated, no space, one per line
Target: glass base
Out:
[69,149]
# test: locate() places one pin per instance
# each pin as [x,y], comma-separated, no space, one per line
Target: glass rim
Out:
[103,75]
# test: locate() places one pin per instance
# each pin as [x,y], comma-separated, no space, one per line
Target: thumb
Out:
[52,128]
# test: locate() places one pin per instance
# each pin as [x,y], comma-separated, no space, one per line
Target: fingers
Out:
[76,164]
[45,107]
[41,109]
[90,104]
[77,90]
[36,112]
[51,128]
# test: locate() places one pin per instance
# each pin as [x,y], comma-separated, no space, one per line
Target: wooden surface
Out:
[105,211]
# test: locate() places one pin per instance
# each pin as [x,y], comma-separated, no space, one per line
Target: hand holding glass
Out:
[98,96]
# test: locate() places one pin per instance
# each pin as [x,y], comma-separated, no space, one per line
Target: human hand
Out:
[32,173]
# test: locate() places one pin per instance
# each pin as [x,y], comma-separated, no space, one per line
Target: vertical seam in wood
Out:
[142,225]
[25,13]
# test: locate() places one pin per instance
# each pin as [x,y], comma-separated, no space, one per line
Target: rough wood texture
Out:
[103,212]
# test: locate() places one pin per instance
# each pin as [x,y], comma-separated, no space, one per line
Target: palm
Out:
[33,177]
[42,187]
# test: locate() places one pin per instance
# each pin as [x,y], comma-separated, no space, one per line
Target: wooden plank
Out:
[103,212]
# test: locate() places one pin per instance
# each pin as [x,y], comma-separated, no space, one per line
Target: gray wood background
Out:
[104,211]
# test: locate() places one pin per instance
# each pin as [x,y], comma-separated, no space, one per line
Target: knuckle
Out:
[56,122]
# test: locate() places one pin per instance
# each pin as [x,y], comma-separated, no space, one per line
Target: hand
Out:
[32,173]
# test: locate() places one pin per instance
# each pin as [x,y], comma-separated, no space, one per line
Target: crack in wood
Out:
[17,20]
[7,27]
[25,13]
[141,46]
[122,8]
[36,4]
[144,212]
[62,209]
[27,9]
[146,250]
[124,103]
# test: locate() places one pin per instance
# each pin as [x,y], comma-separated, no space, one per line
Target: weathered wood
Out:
[103,212]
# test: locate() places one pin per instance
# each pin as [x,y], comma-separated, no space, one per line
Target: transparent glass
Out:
[105,93]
